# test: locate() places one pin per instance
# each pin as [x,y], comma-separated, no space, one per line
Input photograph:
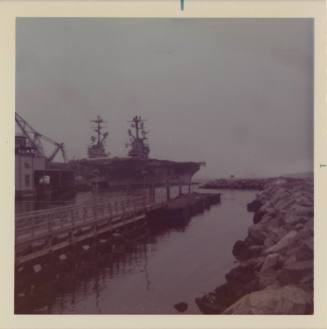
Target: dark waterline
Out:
[175,265]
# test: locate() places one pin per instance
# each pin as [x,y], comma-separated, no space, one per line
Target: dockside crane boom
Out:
[35,139]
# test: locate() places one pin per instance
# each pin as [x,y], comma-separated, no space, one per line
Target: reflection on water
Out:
[150,275]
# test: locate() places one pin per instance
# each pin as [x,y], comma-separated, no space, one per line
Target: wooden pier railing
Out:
[39,232]
[99,215]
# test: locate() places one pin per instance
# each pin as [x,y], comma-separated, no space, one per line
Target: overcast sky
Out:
[235,93]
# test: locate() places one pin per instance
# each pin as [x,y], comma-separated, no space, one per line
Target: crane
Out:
[35,139]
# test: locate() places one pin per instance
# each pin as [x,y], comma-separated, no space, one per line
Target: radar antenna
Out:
[138,141]
[96,148]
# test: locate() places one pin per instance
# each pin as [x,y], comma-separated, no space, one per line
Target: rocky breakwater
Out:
[274,272]
[236,184]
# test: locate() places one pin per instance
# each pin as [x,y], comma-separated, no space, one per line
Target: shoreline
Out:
[274,274]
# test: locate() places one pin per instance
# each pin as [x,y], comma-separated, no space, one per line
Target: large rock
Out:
[302,211]
[283,300]
[257,233]
[269,278]
[241,250]
[294,271]
[285,242]
[272,261]
[230,292]
[255,250]
[293,219]
[181,307]
[240,274]
[269,271]
[277,233]
[254,263]
[254,205]
[223,296]
[258,216]
[305,250]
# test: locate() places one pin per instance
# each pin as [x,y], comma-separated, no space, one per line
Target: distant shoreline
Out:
[247,183]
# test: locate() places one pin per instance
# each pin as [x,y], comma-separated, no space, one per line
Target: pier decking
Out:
[43,232]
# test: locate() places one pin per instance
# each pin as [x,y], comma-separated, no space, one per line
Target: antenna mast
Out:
[96,148]
[138,140]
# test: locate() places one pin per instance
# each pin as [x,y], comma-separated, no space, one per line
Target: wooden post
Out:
[153,194]
[61,220]
[73,214]
[180,190]
[109,207]
[167,190]
[50,236]
[33,226]
[123,206]
[85,211]
[72,217]
[95,214]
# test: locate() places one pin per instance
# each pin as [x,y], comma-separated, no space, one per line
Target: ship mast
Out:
[97,149]
[138,139]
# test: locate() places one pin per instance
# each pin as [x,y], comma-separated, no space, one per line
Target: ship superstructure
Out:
[97,147]
[138,140]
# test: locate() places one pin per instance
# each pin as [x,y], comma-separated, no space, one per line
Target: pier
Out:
[44,232]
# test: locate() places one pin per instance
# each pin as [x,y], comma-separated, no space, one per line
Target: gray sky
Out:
[235,93]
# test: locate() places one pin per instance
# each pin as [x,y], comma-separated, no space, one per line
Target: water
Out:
[171,266]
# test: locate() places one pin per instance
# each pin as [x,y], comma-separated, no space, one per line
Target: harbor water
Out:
[169,266]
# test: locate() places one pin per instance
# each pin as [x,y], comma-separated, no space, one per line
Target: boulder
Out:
[255,250]
[241,250]
[270,270]
[299,226]
[309,243]
[281,300]
[302,211]
[306,283]
[240,274]
[181,307]
[305,233]
[258,216]
[305,250]
[257,234]
[229,293]
[253,263]
[280,232]
[277,220]
[293,272]
[269,278]
[285,242]
[254,205]
[309,225]
[304,201]
[268,242]
[293,219]
[272,261]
